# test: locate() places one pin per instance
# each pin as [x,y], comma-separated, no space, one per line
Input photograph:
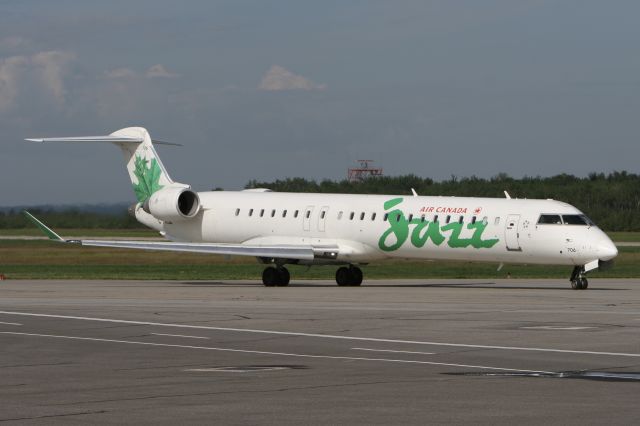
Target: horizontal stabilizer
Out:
[108,138]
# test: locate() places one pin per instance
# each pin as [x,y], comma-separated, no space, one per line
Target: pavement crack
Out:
[54,416]
[285,389]
[36,365]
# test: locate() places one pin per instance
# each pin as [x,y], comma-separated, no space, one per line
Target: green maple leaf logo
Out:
[148,178]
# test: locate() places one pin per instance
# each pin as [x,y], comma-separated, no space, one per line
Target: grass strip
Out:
[49,260]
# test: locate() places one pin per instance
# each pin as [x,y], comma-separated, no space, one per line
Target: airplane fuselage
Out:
[365,228]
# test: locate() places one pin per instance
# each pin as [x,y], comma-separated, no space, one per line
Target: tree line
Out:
[69,217]
[611,200]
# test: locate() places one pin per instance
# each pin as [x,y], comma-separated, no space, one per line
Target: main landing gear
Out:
[578,279]
[349,276]
[278,276]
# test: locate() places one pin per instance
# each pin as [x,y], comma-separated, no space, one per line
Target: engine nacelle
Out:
[173,204]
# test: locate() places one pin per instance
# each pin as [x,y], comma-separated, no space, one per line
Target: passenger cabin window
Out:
[385,217]
[373,216]
[398,216]
[284,213]
[497,221]
[448,219]
[295,214]
[422,218]
[273,213]
[362,216]
[322,213]
[308,214]
[410,217]
[473,219]
[339,215]
[461,219]
[351,215]
[549,219]
[575,219]
[435,218]
[261,212]
[250,212]
[237,212]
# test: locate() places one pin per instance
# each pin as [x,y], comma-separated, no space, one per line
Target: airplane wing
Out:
[296,252]
[279,252]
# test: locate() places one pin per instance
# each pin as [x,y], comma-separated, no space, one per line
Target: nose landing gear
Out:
[578,279]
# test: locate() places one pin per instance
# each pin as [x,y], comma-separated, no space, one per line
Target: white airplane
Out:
[345,229]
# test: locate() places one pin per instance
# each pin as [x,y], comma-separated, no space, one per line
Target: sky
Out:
[294,88]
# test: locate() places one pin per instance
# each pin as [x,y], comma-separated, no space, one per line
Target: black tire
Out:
[585,284]
[343,277]
[575,284]
[356,276]
[269,277]
[283,277]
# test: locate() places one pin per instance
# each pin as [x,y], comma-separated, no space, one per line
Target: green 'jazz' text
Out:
[399,231]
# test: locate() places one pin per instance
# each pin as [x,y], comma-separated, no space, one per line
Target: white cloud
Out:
[51,67]
[154,71]
[13,42]
[279,78]
[10,71]
[44,71]
[120,73]
[159,71]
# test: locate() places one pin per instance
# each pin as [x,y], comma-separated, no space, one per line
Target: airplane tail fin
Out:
[146,171]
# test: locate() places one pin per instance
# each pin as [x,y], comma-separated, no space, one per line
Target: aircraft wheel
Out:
[269,277]
[283,277]
[343,276]
[351,276]
[585,284]
[356,276]
[579,283]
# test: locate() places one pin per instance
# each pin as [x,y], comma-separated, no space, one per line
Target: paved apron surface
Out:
[429,351]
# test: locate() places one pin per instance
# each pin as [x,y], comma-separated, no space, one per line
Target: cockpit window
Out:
[576,219]
[549,219]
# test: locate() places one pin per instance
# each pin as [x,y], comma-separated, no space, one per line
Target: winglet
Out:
[44,228]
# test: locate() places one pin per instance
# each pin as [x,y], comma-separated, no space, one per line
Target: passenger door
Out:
[512,233]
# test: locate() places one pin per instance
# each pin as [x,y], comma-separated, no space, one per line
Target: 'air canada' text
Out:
[400,230]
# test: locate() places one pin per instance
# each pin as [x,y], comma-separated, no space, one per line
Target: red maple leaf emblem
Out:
[477,210]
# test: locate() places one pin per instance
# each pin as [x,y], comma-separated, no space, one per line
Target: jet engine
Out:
[173,204]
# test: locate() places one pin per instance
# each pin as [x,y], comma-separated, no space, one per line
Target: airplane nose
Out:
[606,250]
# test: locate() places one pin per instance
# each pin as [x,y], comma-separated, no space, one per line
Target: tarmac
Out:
[389,352]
